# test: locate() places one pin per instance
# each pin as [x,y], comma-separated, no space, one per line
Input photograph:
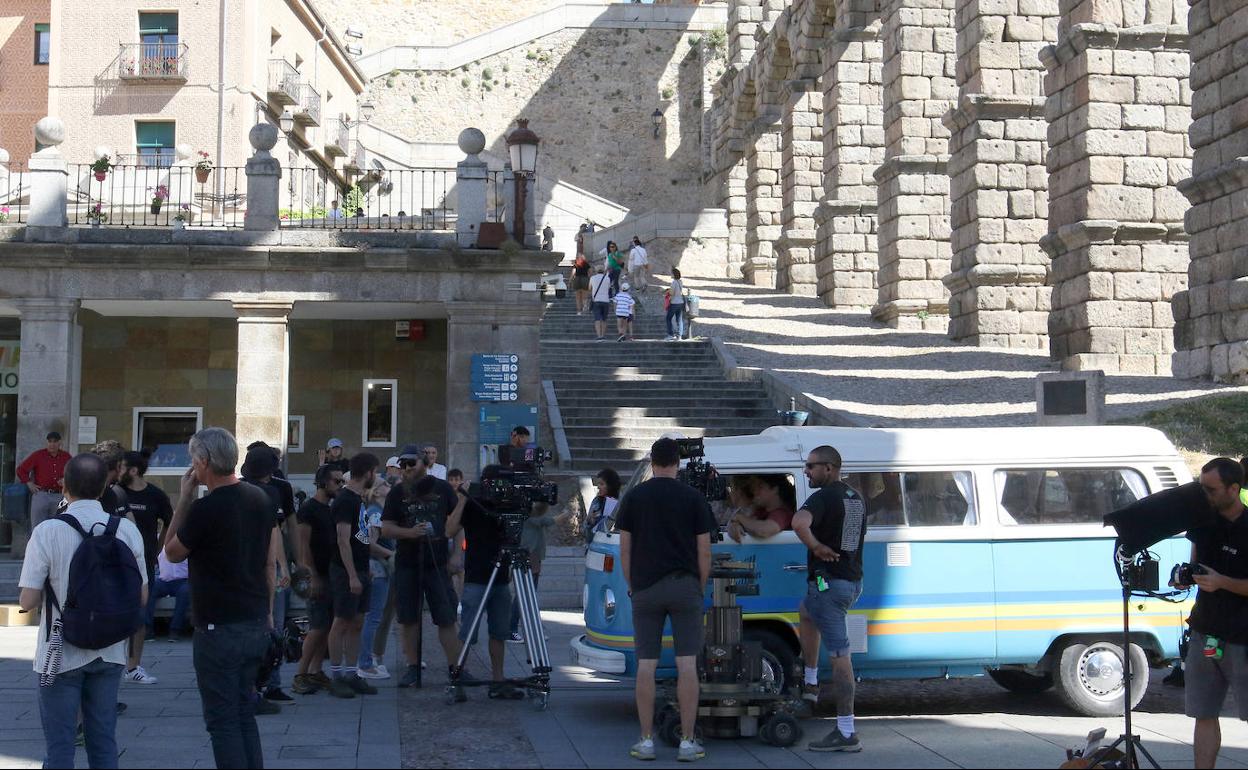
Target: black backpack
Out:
[104,599]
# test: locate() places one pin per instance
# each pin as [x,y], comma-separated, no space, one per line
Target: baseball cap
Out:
[53,436]
[333,442]
[393,462]
[411,452]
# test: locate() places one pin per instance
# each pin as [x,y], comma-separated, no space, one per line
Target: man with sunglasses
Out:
[315,540]
[833,526]
[415,517]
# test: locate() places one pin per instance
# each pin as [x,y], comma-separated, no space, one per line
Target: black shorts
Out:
[347,605]
[677,596]
[601,309]
[434,584]
[321,609]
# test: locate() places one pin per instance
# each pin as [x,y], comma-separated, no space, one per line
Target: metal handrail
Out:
[284,81]
[153,61]
[309,105]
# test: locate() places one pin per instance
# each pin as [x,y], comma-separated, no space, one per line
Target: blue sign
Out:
[495,377]
[495,423]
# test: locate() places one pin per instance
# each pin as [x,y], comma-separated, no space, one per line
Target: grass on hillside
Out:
[1203,428]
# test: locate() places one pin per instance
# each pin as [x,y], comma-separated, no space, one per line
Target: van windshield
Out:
[642,474]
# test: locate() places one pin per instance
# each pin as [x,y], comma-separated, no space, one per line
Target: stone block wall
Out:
[1211,317]
[764,204]
[801,186]
[1119,108]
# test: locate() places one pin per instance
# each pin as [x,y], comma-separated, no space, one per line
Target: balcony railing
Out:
[284,82]
[131,195]
[397,199]
[308,112]
[163,158]
[338,139]
[159,62]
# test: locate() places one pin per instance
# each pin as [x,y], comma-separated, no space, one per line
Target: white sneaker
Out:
[376,672]
[515,638]
[139,676]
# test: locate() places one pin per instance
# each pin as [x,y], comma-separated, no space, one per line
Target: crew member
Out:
[1217,655]
[43,473]
[833,525]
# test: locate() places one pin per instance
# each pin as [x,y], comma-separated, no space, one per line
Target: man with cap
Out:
[393,472]
[415,516]
[42,473]
[334,456]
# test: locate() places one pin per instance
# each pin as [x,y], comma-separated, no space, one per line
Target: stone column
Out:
[48,379]
[853,148]
[264,181]
[470,187]
[263,394]
[998,285]
[913,189]
[48,177]
[743,19]
[1211,317]
[486,327]
[763,203]
[1119,108]
[801,186]
[732,200]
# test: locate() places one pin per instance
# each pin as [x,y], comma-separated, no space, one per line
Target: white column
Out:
[262,395]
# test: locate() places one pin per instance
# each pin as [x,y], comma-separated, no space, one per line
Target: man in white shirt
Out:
[86,680]
[436,469]
[639,266]
[600,300]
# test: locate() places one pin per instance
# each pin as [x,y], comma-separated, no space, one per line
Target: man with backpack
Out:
[85,567]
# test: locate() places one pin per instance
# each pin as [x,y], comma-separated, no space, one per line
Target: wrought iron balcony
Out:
[155,62]
[308,113]
[284,82]
[338,139]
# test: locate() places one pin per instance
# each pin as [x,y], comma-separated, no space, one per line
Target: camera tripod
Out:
[537,684]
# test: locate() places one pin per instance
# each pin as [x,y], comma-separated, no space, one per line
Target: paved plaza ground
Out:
[590,723]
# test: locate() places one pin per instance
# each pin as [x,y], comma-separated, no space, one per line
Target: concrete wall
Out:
[329,361]
[23,84]
[425,22]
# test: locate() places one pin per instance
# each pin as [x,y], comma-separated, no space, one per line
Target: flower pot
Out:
[178,224]
[156,206]
[100,176]
[95,223]
[201,174]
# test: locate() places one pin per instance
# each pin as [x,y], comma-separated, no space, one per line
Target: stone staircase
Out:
[10,571]
[616,398]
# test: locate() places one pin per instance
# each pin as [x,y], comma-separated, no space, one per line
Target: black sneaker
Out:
[359,685]
[410,677]
[505,691]
[264,707]
[340,689]
[836,742]
[1175,678]
[465,677]
[275,693]
[810,692]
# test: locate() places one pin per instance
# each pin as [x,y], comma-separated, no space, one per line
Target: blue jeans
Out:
[376,607]
[828,609]
[677,313]
[497,611]
[93,689]
[180,590]
[281,598]
[227,658]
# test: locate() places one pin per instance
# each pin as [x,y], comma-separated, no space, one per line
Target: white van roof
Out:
[925,446]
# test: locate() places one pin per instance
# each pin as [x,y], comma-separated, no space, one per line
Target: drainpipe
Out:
[220,176]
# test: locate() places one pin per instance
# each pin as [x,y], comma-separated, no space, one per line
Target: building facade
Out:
[25,57]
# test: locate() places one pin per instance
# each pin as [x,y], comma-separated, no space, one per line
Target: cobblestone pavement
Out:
[590,722]
[896,378]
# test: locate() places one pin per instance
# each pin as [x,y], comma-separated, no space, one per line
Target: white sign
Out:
[86,430]
[10,355]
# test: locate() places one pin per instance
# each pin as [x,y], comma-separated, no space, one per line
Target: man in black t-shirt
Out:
[1217,655]
[149,508]
[665,552]
[228,536]
[258,469]
[833,526]
[415,517]
[349,581]
[335,456]
[316,538]
[114,498]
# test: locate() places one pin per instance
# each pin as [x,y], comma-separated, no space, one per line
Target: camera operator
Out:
[1217,656]
[485,539]
[665,551]
[416,517]
[349,578]
[316,539]
[833,525]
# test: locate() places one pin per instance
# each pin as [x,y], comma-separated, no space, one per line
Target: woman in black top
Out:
[580,283]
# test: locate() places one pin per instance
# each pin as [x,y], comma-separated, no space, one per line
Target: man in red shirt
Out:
[43,473]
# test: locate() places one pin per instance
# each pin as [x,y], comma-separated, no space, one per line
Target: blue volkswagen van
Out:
[985,554]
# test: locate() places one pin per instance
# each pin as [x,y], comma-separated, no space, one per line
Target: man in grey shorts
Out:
[665,552]
[1217,656]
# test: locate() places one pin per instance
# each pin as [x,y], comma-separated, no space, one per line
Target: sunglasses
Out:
[812,466]
[408,463]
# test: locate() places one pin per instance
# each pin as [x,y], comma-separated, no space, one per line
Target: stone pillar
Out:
[801,185]
[264,182]
[743,19]
[853,148]
[470,187]
[1119,108]
[1211,317]
[486,327]
[998,285]
[263,393]
[49,177]
[48,378]
[763,204]
[913,189]
[732,200]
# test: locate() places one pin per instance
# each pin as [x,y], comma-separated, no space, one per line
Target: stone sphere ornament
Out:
[471,141]
[49,131]
[263,137]
[182,152]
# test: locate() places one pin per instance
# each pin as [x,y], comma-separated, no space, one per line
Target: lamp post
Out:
[657,118]
[522,146]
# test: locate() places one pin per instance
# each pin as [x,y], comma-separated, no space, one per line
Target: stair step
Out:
[684,414]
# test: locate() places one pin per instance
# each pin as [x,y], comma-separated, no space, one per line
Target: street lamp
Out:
[522,147]
[657,118]
[287,122]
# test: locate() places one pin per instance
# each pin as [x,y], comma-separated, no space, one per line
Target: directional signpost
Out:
[495,377]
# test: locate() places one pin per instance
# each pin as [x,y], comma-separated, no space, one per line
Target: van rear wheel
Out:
[779,659]
[1020,681]
[1090,677]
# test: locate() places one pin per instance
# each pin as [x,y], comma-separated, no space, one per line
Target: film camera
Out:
[508,494]
[1185,574]
[698,473]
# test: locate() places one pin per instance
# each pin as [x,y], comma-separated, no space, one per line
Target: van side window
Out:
[1065,495]
[917,499]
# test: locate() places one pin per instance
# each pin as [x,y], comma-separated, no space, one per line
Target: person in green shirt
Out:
[615,265]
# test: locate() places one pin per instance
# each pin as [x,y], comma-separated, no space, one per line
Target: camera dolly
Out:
[537,684]
[737,697]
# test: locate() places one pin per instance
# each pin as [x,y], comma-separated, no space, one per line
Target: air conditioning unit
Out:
[355,50]
[355,32]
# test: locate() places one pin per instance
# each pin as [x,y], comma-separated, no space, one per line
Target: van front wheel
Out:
[1090,678]
[779,659]
[1020,681]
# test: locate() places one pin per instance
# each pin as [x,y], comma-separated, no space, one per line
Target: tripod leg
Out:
[476,621]
[1140,748]
[420,620]
[541,654]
